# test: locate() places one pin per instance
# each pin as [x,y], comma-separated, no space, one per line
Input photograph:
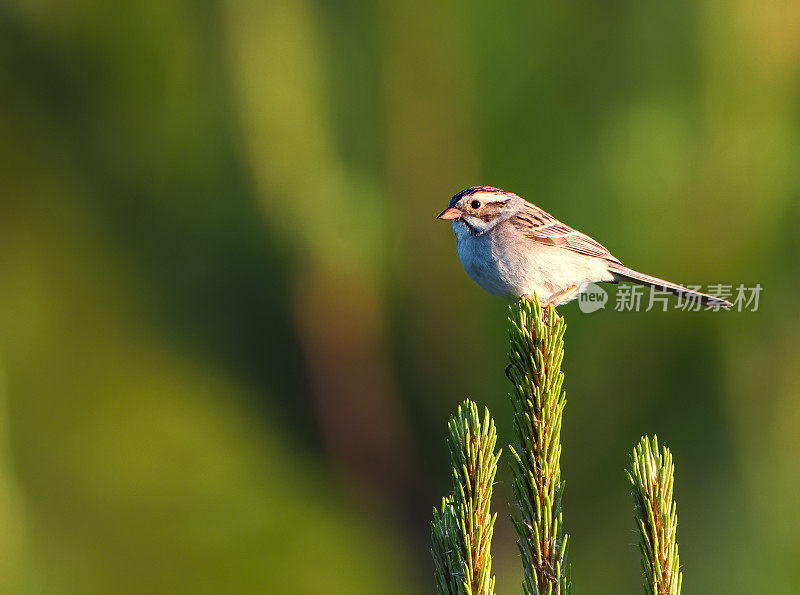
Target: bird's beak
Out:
[451,213]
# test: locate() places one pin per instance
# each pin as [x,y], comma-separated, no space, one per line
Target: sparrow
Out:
[512,249]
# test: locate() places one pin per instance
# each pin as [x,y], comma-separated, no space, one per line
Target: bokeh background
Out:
[231,331]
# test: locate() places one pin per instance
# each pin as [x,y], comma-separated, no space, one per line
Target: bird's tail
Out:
[623,273]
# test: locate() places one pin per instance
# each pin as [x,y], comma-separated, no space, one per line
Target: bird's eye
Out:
[475,204]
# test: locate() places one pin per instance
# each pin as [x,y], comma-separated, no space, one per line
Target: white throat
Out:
[461,230]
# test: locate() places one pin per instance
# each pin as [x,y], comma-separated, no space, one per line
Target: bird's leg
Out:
[563,296]
[558,298]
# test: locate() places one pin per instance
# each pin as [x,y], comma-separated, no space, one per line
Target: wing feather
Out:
[540,226]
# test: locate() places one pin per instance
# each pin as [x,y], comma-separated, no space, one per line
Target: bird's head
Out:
[477,209]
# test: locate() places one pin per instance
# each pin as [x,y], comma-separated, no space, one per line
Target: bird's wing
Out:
[540,226]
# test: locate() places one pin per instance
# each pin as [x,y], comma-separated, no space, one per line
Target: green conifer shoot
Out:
[651,476]
[537,348]
[461,531]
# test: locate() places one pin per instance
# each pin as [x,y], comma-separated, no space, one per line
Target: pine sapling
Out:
[537,349]
[461,531]
[651,475]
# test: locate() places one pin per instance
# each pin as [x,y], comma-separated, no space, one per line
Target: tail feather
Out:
[623,273]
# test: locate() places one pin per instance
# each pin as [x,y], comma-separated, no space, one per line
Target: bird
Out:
[513,249]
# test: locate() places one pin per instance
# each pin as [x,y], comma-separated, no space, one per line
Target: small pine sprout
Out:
[461,531]
[651,475]
[538,400]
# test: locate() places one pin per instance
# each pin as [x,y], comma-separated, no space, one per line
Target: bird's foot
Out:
[546,306]
[560,298]
[546,311]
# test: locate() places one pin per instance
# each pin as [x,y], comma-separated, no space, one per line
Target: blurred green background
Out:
[231,331]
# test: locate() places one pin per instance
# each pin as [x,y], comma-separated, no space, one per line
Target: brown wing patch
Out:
[531,219]
[542,227]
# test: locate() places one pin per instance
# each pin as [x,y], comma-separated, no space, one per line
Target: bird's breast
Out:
[478,257]
[508,265]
